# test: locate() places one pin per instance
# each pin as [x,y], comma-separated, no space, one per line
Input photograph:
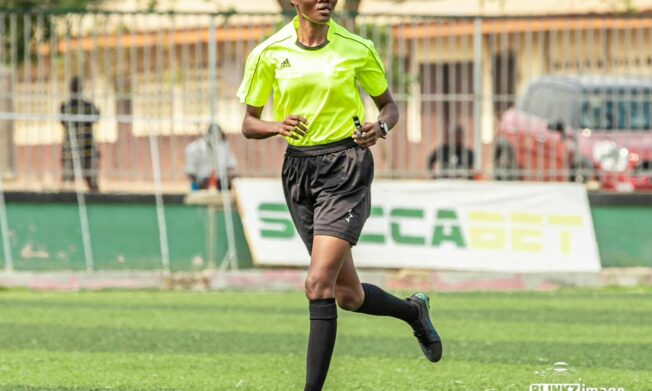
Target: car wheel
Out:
[505,165]
[582,170]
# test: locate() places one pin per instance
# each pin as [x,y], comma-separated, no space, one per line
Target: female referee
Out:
[313,66]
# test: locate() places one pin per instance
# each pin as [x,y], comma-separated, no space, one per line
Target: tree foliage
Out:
[47,4]
[20,25]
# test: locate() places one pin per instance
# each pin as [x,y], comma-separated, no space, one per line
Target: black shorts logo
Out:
[349,217]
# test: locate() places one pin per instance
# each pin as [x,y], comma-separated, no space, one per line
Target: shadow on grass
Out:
[173,308]
[21,387]
[567,316]
[58,338]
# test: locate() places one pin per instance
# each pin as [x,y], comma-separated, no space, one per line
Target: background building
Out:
[169,75]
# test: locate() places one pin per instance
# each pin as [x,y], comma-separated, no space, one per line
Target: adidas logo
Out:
[285,64]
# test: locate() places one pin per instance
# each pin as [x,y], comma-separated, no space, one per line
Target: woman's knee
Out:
[348,299]
[319,287]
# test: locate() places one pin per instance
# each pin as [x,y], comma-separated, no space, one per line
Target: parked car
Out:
[582,128]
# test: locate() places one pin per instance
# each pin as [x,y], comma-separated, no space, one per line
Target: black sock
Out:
[378,302]
[323,329]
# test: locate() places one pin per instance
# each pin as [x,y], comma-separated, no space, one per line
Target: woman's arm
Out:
[388,113]
[388,108]
[253,127]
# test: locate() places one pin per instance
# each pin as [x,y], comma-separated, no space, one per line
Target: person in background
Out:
[78,117]
[203,156]
[455,161]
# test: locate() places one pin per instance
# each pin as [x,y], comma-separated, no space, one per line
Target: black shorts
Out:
[328,189]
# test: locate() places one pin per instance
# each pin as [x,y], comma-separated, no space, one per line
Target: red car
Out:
[581,128]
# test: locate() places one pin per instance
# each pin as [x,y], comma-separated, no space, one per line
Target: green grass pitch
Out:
[143,340]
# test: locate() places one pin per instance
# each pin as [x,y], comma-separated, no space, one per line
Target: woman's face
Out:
[317,11]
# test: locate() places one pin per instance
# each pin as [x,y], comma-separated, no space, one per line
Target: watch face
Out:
[383,127]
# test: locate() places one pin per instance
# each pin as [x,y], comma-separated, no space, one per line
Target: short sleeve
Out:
[371,74]
[190,159]
[92,110]
[231,161]
[257,83]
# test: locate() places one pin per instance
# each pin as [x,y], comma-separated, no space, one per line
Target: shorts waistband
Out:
[318,150]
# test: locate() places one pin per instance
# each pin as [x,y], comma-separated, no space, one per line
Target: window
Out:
[525,103]
[629,111]
[540,102]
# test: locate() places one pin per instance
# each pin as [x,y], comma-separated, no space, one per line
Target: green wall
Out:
[123,236]
[47,236]
[624,235]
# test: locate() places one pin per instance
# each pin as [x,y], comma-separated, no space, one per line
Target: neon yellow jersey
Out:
[320,83]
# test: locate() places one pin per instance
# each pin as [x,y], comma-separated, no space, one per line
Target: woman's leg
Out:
[348,290]
[325,264]
[370,299]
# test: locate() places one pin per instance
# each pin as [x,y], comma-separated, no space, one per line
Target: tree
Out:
[351,7]
[47,4]
[286,6]
[23,38]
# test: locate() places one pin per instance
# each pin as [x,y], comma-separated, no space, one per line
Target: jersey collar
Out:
[332,26]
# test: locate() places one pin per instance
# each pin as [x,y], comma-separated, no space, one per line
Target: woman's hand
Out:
[294,126]
[368,134]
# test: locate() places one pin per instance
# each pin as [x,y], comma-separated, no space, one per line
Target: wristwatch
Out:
[384,129]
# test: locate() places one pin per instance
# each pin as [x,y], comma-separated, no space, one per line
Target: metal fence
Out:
[545,98]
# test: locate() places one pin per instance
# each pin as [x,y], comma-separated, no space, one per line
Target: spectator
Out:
[78,118]
[455,161]
[203,156]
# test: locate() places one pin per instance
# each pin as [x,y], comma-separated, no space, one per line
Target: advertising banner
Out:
[443,225]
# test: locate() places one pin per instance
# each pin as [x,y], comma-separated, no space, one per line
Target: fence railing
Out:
[523,98]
